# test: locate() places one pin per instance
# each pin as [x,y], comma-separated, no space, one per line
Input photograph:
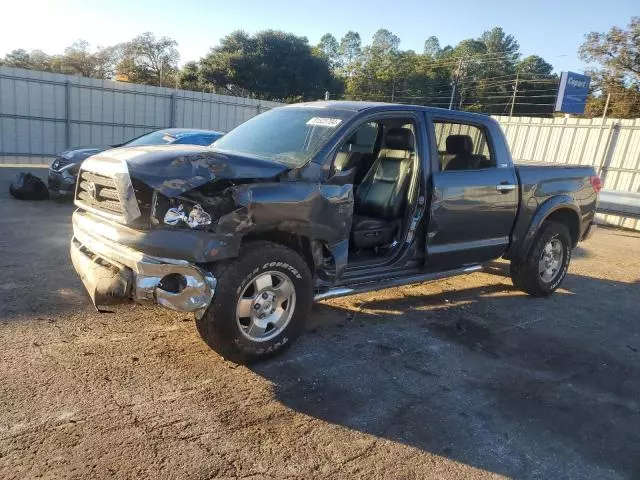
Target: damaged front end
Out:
[151,221]
[113,273]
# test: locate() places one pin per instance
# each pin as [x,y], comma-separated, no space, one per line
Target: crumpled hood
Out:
[175,169]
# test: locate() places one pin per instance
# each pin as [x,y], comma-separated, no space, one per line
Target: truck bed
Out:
[542,185]
[551,178]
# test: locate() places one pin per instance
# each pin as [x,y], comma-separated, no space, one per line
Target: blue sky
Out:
[552,29]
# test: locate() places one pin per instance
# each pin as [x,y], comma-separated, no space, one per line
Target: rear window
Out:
[197,139]
[153,138]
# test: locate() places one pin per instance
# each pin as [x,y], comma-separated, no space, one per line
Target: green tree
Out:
[497,41]
[624,98]
[617,51]
[329,48]
[270,64]
[78,60]
[189,78]
[350,52]
[17,58]
[482,61]
[106,61]
[150,60]
[432,47]
[535,93]
[385,42]
[377,72]
[38,60]
[534,66]
[617,54]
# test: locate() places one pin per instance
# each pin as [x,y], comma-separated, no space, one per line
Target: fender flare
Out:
[548,207]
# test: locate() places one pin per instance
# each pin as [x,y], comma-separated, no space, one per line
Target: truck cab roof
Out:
[361,106]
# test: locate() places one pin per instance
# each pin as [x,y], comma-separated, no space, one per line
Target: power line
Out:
[379,95]
[474,56]
[491,83]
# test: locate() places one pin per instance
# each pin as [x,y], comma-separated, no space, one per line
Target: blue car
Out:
[64,169]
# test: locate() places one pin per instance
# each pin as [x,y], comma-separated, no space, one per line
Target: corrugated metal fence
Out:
[612,147]
[42,113]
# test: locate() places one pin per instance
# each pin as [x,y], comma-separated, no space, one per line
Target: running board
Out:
[393,282]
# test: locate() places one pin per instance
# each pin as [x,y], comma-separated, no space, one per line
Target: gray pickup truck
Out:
[318,200]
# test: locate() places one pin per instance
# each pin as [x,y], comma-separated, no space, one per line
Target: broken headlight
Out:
[196,216]
[179,212]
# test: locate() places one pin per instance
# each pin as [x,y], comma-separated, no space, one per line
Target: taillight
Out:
[596,183]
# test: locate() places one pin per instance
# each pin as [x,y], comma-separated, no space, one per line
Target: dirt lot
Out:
[455,379]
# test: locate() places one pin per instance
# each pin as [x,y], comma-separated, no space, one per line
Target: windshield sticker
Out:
[324,122]
[168,138]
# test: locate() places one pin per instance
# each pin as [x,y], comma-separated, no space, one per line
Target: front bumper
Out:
[62,182]
[113,273]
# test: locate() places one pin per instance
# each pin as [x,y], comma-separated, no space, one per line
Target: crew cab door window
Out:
[473,202]
[462,146]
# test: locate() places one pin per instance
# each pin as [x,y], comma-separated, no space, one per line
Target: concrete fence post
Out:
[67,114]
[173,105]
[609,151]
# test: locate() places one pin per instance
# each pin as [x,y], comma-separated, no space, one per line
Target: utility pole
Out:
[455,84]
[606,107]
[515,92]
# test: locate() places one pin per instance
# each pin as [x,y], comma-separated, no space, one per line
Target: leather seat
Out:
[358,151]
[382,196]
[461,146]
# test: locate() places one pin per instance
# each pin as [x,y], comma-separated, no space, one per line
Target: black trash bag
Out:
[28,187]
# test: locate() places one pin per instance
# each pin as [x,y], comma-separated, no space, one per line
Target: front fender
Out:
[522,244]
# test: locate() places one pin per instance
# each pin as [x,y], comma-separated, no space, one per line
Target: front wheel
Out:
[547,262]
[261,302]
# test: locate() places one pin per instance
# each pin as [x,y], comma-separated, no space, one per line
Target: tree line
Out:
[484,74]
[144,59]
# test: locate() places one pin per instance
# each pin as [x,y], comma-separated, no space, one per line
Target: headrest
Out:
[459,144]
[399,139]
[365,136]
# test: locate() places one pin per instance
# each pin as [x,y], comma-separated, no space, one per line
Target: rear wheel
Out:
[261,302]
[546,264]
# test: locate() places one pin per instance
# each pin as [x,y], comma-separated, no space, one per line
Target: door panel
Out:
[471,215]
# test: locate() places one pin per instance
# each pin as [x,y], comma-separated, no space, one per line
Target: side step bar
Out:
[392,282]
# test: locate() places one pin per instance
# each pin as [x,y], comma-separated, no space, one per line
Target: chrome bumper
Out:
[113,273]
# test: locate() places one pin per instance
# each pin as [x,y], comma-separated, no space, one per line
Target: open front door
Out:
[474,199]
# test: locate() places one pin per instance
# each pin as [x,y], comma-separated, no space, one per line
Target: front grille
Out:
[99,192]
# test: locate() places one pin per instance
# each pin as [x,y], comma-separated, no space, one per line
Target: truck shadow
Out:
[485,376]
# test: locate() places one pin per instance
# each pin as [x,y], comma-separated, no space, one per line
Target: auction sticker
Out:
[324,122]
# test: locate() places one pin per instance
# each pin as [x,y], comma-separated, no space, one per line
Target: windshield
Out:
[291,135]
[154,138]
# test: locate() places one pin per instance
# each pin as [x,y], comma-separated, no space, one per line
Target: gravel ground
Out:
[460,378]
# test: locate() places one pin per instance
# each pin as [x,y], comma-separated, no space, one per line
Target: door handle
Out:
[505,187]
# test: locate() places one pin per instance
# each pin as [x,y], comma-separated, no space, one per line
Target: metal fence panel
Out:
[42,114]
[611,146]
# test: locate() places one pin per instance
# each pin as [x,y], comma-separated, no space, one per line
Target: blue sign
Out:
[572,93]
